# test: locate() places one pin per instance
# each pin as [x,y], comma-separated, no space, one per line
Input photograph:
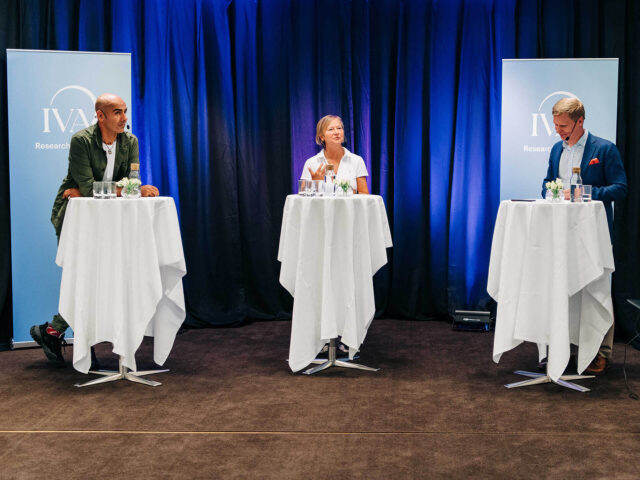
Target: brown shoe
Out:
[598,366]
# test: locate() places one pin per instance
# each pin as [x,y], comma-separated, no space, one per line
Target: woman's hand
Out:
[318,174]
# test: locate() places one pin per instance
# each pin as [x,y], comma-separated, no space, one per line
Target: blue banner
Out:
[530,88]
[51,96]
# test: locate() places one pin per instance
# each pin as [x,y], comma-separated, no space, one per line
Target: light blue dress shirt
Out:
[571,157]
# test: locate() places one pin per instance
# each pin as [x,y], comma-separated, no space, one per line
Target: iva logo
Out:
[541,117]
[70,122]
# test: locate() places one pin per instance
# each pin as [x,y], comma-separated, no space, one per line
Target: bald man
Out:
[101,152]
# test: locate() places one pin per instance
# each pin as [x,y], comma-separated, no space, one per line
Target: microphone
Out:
[567,137]
[128,127]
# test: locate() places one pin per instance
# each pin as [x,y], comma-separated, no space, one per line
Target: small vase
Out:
[131,191]
[553,197]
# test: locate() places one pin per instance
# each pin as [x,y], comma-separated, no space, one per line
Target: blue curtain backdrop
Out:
[228,92]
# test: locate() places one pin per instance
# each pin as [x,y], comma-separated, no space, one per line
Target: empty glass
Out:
[302,187]
[98,190]
[318,187]
[311,188]
[586,193]
[109,190]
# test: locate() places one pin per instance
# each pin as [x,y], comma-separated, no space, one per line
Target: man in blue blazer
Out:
[600,166]
[599,160]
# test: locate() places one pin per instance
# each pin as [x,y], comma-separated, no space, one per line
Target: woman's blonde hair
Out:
[322,127]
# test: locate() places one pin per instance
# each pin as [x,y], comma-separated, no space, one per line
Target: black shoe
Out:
[95,364]
[51,345]
[343,351]
[542,365]
[324,353]
[572,364]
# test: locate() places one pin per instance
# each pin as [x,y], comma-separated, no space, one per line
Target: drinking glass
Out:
[110,190]
[586,193]
[311,188]
[302,187]
[318,187]
[98,190]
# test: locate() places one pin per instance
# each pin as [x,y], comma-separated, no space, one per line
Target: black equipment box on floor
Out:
[473,321]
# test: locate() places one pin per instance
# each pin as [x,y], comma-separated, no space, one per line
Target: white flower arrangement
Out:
[130,186]
[555,187]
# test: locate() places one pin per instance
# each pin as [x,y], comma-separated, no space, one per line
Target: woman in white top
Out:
[347,165]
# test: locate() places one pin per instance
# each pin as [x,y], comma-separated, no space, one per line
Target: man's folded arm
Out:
[80,167]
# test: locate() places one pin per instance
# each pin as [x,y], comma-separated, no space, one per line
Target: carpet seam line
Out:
[166,432]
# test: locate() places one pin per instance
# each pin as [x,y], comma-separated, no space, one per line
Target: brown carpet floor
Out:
[230,408]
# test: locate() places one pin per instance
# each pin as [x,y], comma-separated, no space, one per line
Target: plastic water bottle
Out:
[576,185]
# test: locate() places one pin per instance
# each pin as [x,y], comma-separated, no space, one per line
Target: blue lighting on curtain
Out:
[227,94]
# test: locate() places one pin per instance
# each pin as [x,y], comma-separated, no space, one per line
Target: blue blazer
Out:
[601,167]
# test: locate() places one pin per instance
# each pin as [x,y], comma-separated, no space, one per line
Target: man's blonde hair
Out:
[322,126]
[571,106]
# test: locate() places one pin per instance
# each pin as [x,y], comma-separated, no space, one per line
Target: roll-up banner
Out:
[530,88]
[51,95]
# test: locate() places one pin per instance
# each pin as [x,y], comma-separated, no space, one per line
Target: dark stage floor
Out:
[230,408]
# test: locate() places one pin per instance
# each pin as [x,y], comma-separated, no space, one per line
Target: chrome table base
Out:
[332,361]
[123,373]
[539,378]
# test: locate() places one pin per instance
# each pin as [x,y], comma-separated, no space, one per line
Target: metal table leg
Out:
[332,361]
[539,378]
[123,373]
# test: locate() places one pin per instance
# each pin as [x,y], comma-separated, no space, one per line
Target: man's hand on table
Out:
[71,193]
[149,191]
[145,191]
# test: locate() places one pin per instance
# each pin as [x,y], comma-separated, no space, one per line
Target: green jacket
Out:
[87,163]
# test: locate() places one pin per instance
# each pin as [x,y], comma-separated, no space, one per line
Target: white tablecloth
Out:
[330,248]
[550,274]
[122,267]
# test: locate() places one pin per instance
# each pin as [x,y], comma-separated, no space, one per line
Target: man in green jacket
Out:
[101,152]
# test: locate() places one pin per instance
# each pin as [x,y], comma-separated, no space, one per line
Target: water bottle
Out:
[329,177]
[576,185]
